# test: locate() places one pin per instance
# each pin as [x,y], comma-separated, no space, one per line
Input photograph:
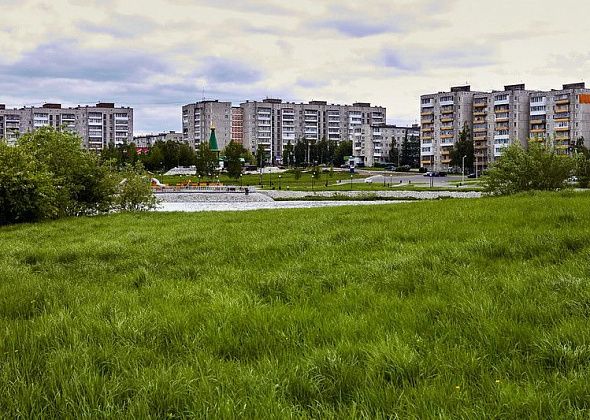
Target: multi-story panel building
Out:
[563,116]
[502,118]
[272,123]
[97,125]
[499,120]
[237,124]
[148,140]
[378,141]
[198,118]
[443,117]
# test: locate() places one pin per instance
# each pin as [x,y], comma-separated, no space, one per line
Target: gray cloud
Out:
[65,60]
[224,70]
[355,27]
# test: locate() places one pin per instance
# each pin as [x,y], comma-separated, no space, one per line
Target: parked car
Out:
[472,175]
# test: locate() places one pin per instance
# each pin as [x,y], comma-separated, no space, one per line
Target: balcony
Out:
[426,137]
[447,120]
[562,100]
[480,104]
[502,120]
[566,128]
[427,129]
[537,130]
[562,137]
[480,130]
[559,109]
[538,121]
[479,120]
[480,114]
[501,127]
[447,136]
[480,137]
[501,109]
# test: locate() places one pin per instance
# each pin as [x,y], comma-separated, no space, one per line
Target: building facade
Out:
[500,118]
[379,140]
[198,118]
[237,124]
[563,116]
[97,125]
[148,140]
[272,124]
[443,117]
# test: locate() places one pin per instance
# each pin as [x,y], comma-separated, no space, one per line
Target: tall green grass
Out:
[463,309]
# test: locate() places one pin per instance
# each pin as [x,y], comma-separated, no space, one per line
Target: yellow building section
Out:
[584,98]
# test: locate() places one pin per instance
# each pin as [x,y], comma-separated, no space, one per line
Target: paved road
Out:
[393,179]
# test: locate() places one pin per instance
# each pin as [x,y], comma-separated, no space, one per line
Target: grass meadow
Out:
[454,308]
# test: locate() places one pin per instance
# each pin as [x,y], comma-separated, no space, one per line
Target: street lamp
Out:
[240,180]
[312,181]
[280,176]
[199,180]
[463,171]
[351,182]
[270,177]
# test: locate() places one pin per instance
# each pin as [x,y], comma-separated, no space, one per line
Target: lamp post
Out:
[270,177]
[280,176]
[351,182]
[240,180]
[312,181]
[463,171]
[199,180]
[260,178]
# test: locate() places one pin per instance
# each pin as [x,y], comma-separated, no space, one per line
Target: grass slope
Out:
[471,308]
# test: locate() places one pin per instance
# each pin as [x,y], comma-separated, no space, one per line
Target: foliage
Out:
[261,156]
[463,147]
[27,192]
[309,313]
[582,160]
[122,154]
[134,191]
[207,161]
[49,175]
[342,151]
[83,184]
[165,155]
[234,153]
[288,154]
[538,168]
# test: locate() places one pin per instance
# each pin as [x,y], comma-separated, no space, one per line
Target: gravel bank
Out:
[412,195]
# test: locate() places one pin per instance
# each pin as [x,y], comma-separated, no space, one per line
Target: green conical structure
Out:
[213,141]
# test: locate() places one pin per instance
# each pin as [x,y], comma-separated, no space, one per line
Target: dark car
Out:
[472,175]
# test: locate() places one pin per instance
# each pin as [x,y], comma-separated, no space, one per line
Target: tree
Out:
[234,153]
[83,184]
[260,156]
[463,147]
[300,152]
[27,192]
[582,161]
[288,150]
[343,150]
[49,175]
[394,155]
[206,160]
[538,168]
[134,190]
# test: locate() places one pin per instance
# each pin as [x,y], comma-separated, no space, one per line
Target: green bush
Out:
[27,192]
[48,175]
[538,168]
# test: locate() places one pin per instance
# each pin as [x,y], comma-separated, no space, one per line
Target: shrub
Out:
[27,192]
[538,168]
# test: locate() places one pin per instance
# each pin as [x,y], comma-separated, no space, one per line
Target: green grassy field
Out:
[455,308]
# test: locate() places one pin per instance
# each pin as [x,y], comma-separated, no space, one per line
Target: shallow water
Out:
[266,205]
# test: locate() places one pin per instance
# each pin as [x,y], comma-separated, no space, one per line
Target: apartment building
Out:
[272,123]
[148,140]
[499,120]
[237,124]
[198,118]
[502,118]
[97,125]
[561,115]
[378,141]
[443,116]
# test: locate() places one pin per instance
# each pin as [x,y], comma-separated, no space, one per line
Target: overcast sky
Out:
[156,55]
